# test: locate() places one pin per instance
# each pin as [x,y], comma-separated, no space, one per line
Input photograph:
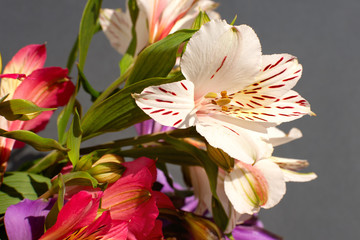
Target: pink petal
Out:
[79,212]
[27,59]
[134,166]
[162,201]
[46,87]
[128,195]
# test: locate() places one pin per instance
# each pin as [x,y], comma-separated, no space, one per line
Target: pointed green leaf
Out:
[52,215]
[73,55]
[34,140]
[20,185]
[86,85]
[200,20]
[125,62]
[88,26]
[158,59]
[47,161]
[20,109]
[119,111]
[77,178]
[211,170]
[74,139]
[163,154]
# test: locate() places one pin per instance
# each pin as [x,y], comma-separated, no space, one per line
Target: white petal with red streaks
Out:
[117,25]
[169,104]
[239,142]
[279,74]
[221,57]
[290,107]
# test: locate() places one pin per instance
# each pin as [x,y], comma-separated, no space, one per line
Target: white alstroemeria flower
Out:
[232,92]
[156,19]
[249,187]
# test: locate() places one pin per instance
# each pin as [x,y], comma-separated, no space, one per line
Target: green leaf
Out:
[119,111]
[200,20]
[158,59]
[125,62]
[87,87]
[73,55]
[163,154]
[211,170]
[37,142]
[21,109]
[20,185]
[134,13]
[52,215]
[77,178]
[88,26]
[47,161]
[74,139]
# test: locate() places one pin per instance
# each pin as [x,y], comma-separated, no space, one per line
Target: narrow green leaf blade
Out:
[86,85]
[88,26]
[34,140]
[211,170]
[74,139]
[73,55]
[159,58]
[21,109]
[20,185]
[119,111]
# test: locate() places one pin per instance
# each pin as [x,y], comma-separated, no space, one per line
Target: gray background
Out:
[323,34]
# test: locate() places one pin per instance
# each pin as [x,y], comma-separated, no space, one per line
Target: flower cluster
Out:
[201,95]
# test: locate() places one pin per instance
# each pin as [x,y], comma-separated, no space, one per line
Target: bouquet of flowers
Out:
[200,94]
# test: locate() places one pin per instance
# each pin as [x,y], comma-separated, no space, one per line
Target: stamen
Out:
[211,95]
[223,101]
[224,94]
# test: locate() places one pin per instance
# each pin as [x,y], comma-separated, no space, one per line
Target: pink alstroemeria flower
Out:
[25,78]
[78,219]
[131,199]
[232,92]
[156,20]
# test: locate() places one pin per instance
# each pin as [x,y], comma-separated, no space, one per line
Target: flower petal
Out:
[275,180]
[26,219]
[79,212]
[278,137]
[27,59]
[117,27]
[242,140]
[279,74]
[169,104]
[47,88]
[292,176]
[251,187]
[290,107]
[221,53]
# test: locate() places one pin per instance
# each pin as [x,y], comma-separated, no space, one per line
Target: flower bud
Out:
[184,225]
[108,172]
[220,158]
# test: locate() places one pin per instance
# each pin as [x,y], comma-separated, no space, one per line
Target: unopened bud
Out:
[220,158]
[108,172]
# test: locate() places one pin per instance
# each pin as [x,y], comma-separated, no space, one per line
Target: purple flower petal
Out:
[149,127]
[26,219]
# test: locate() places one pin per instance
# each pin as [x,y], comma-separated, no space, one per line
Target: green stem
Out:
[113,86]
[178,133]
